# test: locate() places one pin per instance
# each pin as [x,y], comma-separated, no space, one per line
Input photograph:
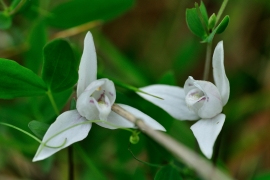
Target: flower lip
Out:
[100,94]
[203,98]
[193,96]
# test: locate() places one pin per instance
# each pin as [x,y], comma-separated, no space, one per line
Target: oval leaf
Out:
[18,81]
[78,12]
[194,23]
[223,24]
[38,128]
[168,173]
[5,21]
[60,67]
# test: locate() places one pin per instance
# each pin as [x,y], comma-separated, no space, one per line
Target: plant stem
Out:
[180,151]
[23,131]
[223,5]
[18,7]
[217,149]
[207,61]
[146,163]
[70,163]
[56,110]
[4,5]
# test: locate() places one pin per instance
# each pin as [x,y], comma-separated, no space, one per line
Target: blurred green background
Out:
[139,42]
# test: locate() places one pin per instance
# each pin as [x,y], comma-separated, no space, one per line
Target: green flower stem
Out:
[223,6]
[70,163]
[23,131]
[56,110]
[207,61]
[32,136]
[217,149]
[18,7]
[4,5]
[132,88]
[146,163]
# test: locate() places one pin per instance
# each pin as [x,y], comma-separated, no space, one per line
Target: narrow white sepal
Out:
[220,77]
[173,100]
[88,64]
[206,132]
[59,136]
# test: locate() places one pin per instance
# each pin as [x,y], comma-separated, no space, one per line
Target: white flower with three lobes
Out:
[95,98]
[198,100]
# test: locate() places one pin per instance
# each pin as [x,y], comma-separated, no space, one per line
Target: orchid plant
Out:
[198,100]
[94,101]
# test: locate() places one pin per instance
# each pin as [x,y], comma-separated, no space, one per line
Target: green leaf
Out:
[74,13]
[223,24]
[194,23]
[204,12]
[38,128]
[18,81]
[220,28]
[5,21]
[59,68]
[168,173]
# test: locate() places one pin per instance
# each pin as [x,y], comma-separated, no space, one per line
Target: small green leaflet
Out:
[18,81]
[38,128]
[194,23]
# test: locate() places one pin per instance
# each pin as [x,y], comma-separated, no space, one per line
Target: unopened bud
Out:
[134,139]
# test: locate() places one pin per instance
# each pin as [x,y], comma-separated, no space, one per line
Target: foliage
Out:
[138,43]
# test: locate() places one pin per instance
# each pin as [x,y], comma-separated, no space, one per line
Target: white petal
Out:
[119,121]
[173,100]
[206,132]
[212,103]
[71,135]
[88,64]
[220,77]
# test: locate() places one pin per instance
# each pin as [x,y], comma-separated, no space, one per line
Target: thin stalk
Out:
[180,151]
[18,7]
[70,163]
[223,6]
[56,110]
[217,149]
[147,163]
[23,131]
[207,61]
[132,88]
[4,5]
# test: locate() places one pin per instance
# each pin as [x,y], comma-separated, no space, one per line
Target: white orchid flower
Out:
[198,100]
[95,98]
